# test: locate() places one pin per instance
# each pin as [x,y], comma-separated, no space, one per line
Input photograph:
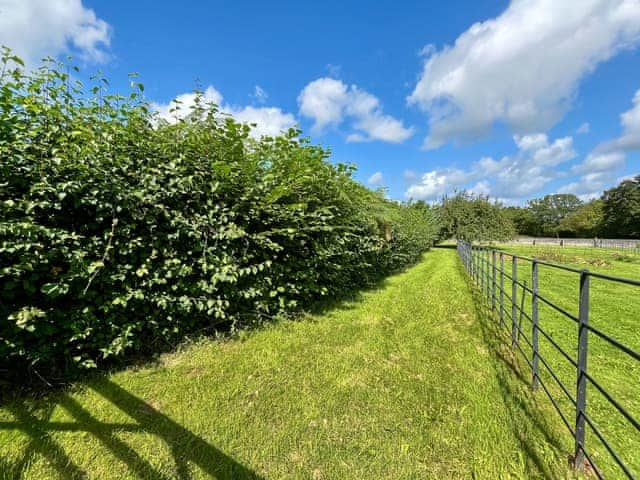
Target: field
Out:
[407,380]
[615,309]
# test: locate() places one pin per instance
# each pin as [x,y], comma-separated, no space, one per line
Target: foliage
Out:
[470,217]
[550,210]
[122,233]
[615,215]
[523,219]
[404,376]
[621,209]
[586,221]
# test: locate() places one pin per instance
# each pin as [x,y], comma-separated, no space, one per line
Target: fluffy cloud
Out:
[329,102]
[269,121]
[599,169]
[324,101]
[511,177]
[375,179]
[436,183]
[589,186]
[182,104]
[34,29]
[630,137]
[600,162]
[521,68]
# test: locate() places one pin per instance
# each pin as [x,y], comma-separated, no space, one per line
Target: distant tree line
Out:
[616,214]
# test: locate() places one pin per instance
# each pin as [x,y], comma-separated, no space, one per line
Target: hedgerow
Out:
[121,233]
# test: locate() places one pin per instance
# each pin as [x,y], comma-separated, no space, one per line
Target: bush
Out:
[121,233]
[474,218]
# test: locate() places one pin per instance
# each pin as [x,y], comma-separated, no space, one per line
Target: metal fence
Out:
[486,266]
[628,245]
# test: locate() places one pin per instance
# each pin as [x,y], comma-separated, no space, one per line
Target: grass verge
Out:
[614,309]
[405,381]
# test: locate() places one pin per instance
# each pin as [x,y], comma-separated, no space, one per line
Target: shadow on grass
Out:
[30,384]
[514,381]
[186,447]
[447,246]
[32,416]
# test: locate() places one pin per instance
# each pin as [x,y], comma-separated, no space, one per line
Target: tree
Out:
[470,217]
[621,209]
[550,210]
[522,218]
[585,222]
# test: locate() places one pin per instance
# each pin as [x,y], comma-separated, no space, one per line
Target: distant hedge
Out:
[121,233]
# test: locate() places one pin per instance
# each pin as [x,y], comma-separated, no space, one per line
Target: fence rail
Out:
[629,245]
[486,267]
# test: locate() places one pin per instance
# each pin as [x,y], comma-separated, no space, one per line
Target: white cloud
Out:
[183,103]
[329,102]
[584,128]
[630,121]
[521,68]
[599,169]
[589,186]
[269,121]
[260,94]
[481,188]
[323,100]
[436,183]
[511,177]
[600,162]
[375,179]
[34,29]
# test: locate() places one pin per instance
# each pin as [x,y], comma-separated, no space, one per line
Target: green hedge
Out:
[121,233]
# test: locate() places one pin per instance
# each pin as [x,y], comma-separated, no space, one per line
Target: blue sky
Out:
[511,99]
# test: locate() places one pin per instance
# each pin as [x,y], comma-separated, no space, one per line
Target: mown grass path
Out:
[406,381]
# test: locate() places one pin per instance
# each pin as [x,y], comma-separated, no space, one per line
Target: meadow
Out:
[405,380]
[615,310]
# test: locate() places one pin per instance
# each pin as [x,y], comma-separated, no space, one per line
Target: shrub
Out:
[120,232]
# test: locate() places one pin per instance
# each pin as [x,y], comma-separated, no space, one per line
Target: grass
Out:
[408,380]
[615,310]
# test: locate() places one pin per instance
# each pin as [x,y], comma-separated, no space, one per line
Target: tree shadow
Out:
[514,381]
[446,246]
[187,449]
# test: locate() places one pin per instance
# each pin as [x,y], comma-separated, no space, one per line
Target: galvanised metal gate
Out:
[486,266]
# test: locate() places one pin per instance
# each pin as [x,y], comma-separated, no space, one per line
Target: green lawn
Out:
[615,309]
[407,381]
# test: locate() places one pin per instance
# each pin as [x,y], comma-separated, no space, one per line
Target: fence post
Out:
[473,262]
[534,321]
[482,272]
[514,300]
[487,274]
[487,285]
[493,282]
[581,393]
[475,253]
[501,289]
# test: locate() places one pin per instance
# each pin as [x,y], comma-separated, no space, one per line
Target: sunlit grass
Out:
[406,381]
[614,309]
